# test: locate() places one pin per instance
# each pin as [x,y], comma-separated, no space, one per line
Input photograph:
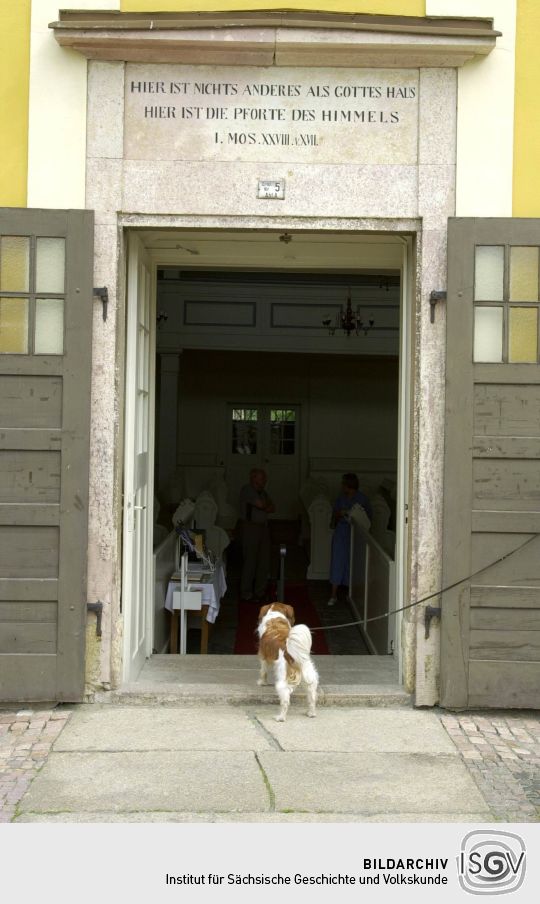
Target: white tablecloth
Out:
[212,592]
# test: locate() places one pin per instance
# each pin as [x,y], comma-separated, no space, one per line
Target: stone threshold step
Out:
[200,694]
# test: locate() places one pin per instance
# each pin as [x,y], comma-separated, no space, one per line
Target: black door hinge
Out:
[103,293]
[97,609]
[434,299]
[429,613]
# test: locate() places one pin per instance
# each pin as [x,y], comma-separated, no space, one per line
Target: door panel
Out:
[490,651]
[46,262]
[137,582]
[282,458]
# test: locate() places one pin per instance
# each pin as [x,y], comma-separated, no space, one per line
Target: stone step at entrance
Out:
[344,681]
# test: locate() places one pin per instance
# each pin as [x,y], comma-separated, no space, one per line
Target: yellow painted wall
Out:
[383,7]
[526,201]
[15,61]
[14,81]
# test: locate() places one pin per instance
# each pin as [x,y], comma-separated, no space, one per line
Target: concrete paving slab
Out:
[149,781]
[349,729]
[228,764]
[370,782]
[97,727]
[252,817]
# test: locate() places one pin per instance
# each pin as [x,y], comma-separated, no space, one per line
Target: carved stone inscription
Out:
[264,114]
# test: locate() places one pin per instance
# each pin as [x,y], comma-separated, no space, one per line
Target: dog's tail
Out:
[297,650]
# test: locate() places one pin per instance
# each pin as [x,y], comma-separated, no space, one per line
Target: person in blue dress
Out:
[341,541]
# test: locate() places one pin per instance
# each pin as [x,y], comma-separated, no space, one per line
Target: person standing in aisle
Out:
[255,506]
[341,541]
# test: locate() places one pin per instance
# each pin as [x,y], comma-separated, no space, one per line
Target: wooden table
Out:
[175,626]
[211,593]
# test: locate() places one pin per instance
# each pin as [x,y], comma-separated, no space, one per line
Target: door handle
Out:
[131,509]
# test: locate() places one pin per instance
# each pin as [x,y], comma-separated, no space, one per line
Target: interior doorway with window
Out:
[267,436]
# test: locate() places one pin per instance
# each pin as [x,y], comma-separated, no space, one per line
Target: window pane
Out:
[244,414]
[489,273]
[282,439]
[14,263]
[488,334]
[49,326]
[523,274]
[244,439]
[50,265]
[523,346]
[282,414]
[14,325]
[282,431]
[244,431]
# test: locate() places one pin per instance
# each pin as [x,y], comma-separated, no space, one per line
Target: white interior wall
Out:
[348,418]
[353,408]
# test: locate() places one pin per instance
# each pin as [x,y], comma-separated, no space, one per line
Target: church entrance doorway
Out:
[291,358]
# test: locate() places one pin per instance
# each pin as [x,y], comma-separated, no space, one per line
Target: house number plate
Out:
[271,188]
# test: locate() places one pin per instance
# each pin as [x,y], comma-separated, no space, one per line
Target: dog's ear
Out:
[263,610]
[289,612]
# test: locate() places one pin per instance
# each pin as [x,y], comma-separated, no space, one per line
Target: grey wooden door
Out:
[490,650]
[45,355]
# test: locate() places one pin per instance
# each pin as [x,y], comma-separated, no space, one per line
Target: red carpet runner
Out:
[305,613]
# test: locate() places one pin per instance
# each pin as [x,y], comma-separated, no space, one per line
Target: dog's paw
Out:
[311,715]
[261,682]
[279,718]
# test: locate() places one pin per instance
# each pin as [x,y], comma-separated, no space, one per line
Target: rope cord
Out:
[431,596]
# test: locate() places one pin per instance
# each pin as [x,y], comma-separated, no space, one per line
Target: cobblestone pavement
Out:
[502,752]
[26,738]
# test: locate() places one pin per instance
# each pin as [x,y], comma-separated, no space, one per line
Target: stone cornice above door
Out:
[276,38]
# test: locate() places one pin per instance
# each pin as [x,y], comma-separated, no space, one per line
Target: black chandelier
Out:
[348,320]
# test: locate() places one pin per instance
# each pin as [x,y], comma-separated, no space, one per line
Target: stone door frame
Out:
[425,367]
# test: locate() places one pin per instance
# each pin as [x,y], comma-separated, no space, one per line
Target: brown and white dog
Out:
[287,648]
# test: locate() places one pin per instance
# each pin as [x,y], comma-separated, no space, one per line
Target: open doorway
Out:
[306,419]
[295,369]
